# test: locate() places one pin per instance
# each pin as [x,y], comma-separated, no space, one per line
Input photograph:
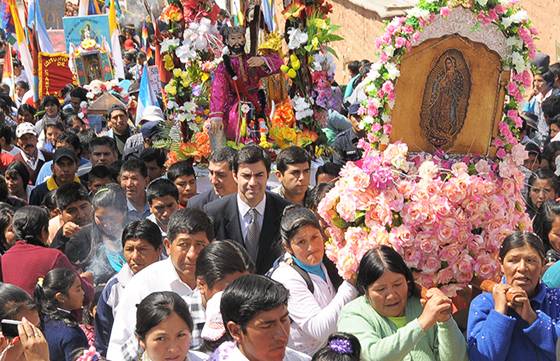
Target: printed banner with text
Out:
[54,73]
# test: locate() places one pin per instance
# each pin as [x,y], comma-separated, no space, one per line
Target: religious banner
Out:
[153,75]
[78,29]
[451,87]
[54,73]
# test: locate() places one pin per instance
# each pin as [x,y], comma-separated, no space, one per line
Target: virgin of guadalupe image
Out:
[445,101]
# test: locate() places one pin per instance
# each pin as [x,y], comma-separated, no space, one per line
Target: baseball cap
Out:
[25,128]
[541,62]
[150,129]
[63,153]
[152,113]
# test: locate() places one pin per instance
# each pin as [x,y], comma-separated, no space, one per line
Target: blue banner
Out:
[79,28]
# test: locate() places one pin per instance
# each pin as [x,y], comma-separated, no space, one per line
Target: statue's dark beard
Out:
[239,49]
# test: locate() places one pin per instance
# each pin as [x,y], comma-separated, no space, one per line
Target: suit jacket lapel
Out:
[269,218]
[231,221]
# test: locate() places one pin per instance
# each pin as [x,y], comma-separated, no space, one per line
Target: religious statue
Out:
[235,89]
[445,100]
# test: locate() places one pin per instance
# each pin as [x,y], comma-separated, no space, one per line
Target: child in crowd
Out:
[543,186]
[60,296]
[163,197]
[183,176]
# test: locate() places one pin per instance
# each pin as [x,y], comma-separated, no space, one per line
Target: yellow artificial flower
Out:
[320,23]
[177,72]
[296,65]
[204,77]
[168,62]
[315,42]
[171,89]
[284,68]
[264,143]
[293,58]
[292,74]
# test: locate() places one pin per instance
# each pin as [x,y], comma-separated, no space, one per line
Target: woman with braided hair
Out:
[29,258]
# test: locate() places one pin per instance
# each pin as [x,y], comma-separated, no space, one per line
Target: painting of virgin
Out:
[446,98]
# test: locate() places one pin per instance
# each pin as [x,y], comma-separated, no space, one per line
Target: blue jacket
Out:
[496,337]
[64,340]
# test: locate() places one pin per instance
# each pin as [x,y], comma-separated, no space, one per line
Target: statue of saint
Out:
[236,82]
[445,101]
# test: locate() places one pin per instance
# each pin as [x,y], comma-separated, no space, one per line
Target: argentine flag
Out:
[146,96]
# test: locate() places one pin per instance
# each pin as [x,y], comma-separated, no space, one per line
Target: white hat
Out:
[152,113]
[25,128]
[213,328]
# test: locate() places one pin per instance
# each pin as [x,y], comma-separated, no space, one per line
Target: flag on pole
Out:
[35,21]
[146,96]
[145,42]
[239,16]
[6,20]
[34,50]
[115,43]
[88,7]
[164,75]
[24,53]
[83,8]
[8,71]
[94,8]
[268,12]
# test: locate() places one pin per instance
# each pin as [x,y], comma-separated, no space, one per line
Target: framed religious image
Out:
[449,96]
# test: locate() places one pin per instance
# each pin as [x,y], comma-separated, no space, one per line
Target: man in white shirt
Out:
[255,314]
[142,246]
[189,231]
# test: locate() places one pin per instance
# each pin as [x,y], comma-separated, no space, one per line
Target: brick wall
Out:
[545,15]
[360,27]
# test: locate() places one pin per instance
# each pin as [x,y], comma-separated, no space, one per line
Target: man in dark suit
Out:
[252,216]
[220,170]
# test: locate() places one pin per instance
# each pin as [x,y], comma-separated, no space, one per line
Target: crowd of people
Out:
[108,252]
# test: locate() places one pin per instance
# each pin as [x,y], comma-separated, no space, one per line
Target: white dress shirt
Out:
[244,217]
[32,162]
[157,277]
[314,315]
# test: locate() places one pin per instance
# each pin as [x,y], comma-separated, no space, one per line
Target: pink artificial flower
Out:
[486,267]
[346,208]
[384,57]
[444,11]
[444,276]
[431,265]
[412,257]
[387,128]
[460,169]
[482,167]
[501,153]
[519,154]
[388,87]
[415,36]
[386,38]
[428,170]
[400,42]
